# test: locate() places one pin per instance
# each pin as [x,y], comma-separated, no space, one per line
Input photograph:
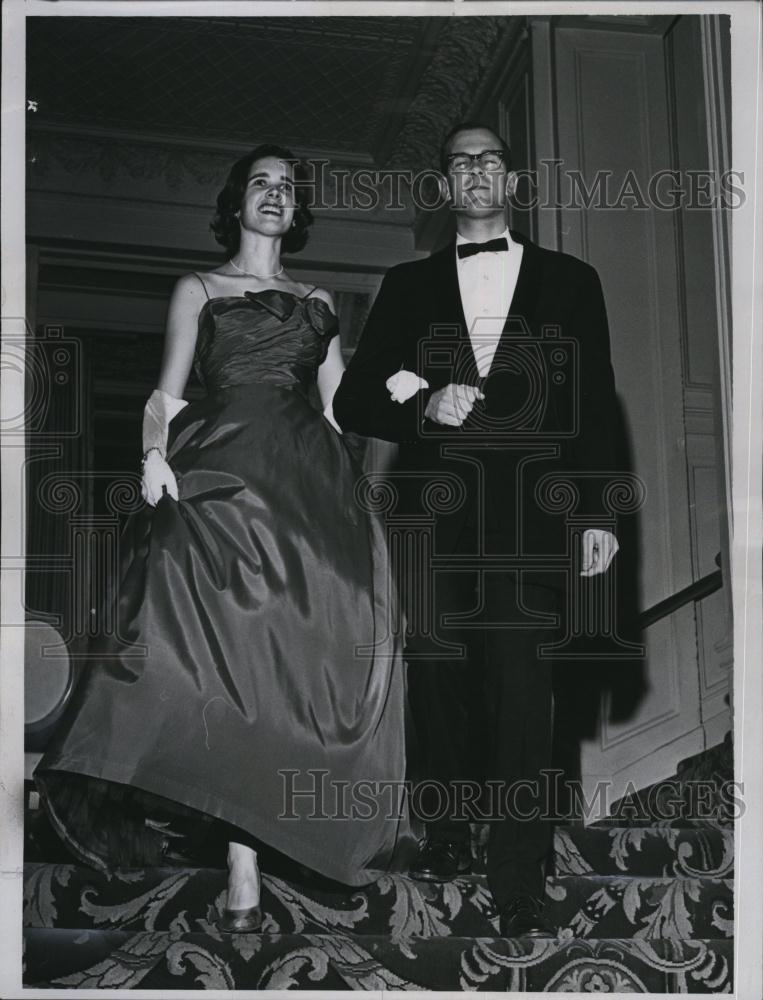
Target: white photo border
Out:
[747,544]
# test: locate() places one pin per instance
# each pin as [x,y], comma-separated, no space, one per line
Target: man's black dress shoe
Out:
[441,860]
[245,921]
[523,917]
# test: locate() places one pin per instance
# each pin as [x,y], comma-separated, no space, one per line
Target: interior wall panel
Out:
[623,133]
[700,338]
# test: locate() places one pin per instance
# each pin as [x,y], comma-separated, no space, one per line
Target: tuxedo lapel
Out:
[448,311]
[447,295]
[528,283]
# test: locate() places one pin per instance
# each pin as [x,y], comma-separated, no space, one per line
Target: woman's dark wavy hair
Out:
[225,225]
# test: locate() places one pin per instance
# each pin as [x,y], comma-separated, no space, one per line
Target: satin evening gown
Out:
[255,655]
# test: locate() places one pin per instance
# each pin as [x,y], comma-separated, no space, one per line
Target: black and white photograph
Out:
[381,498]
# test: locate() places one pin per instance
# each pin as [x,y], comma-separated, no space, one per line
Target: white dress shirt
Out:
[487,281]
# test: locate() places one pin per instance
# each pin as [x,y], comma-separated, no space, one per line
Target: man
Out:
[500,386]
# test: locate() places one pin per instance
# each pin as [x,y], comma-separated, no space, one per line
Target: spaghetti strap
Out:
[307,296]
[202,283]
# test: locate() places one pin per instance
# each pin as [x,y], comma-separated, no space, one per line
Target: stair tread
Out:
[477,877]
[166,960]
[166,870]
[186,899]
[331,935]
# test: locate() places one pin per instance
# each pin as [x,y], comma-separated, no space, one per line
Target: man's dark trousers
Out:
[484,719]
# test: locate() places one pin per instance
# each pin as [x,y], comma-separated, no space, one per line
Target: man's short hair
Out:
[467,126]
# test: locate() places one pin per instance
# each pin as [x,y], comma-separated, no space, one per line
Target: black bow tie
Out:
[467,249]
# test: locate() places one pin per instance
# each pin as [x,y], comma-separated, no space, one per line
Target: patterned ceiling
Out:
[338,84]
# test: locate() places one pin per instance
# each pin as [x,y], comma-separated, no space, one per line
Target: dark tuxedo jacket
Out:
[549,412]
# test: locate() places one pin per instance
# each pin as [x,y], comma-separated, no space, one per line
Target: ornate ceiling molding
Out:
[110,158]
[464,56]
[182,175]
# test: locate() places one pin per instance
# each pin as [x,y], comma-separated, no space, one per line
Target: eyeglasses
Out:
[488,159]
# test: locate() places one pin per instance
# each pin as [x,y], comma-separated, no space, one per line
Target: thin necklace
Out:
[251,274]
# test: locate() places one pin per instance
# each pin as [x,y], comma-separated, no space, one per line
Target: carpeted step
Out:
[604,848]
[652,850]
[186,899]
[627,818]
[606,906]
[165,960]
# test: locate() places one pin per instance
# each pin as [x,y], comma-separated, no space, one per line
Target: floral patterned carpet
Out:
[642,909]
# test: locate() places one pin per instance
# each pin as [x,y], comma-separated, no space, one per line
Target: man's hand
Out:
[453,404]
[599,549]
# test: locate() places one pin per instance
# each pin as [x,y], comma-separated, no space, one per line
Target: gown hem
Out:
[276,837]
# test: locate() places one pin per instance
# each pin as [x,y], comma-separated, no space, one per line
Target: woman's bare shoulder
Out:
[192,283]
[326,296]
[198,284]
[189,295]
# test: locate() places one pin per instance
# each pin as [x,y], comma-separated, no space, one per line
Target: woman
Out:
[254,657]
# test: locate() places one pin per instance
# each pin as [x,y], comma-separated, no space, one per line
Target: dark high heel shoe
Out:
[245,921]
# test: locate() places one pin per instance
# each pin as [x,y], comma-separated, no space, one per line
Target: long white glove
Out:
[157,475]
